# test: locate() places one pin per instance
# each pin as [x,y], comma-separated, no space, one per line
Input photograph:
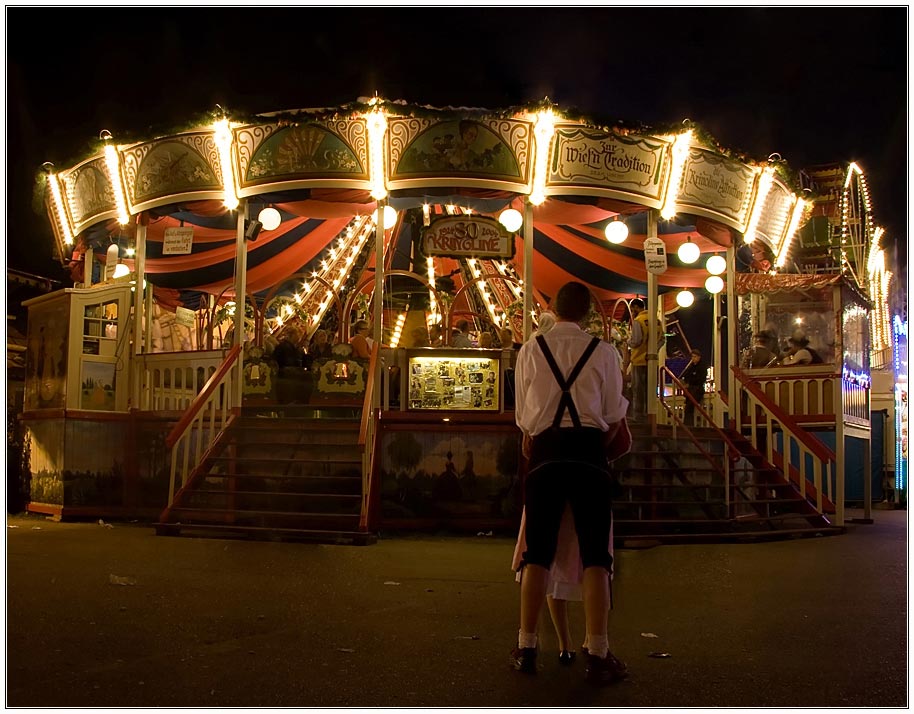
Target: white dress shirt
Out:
[597,392]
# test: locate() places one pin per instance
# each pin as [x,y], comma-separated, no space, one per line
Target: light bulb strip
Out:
[63,220]
[113,166]
[543,131]
[680,154]
[223,138]
[799,209]
[765,181]
[377,127]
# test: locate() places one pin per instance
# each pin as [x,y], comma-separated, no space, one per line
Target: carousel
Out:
[178,379]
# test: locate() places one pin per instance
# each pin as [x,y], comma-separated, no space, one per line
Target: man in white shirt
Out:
[569,405]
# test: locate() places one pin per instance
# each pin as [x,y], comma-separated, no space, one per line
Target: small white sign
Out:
[655,256]
[185,317]
[178,241]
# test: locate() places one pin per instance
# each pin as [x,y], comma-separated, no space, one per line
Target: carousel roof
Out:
[317,167]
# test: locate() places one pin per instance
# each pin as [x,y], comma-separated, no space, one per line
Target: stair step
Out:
[291,494]
[341,537]
[225,515]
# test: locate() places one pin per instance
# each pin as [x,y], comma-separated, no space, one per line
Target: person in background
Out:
[485,340]
[569,407]
[694,376]
[419,337]
[461,335]
[320,347]
[288,354]
[506,338]
[760,355]
[435,335]
[637,341]
[361,348]
[798,352]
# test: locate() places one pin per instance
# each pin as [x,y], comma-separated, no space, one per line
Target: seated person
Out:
[798,351]
[485,340]
[759,354]
[461,335]
[361,349]
[320,347]
[419,337]
[435,335]
[287,354]
[506,338]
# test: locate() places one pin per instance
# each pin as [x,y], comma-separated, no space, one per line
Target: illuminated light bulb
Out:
[616,232]
[716,264]
[714,284]
[278,320]
[270,218]
[298,298]
[684,298]
[390,217]
[120,270]
[511,219]
[288,309]
[688,252]
[131,252]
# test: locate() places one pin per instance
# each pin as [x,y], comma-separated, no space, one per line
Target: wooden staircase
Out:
[675,488]
[280,472]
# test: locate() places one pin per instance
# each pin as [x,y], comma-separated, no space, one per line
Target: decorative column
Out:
[732,326]
[378,312]
[528,270]
[652,325]
[241,274]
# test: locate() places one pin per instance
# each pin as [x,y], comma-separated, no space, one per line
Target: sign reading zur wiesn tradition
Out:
[472,236]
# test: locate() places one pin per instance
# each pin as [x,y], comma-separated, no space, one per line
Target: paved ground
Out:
[428,622]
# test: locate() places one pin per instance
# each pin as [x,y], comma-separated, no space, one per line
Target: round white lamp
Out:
[684,298]
[511,219]
[616,231]
[270,218]
[688,252]
[390,217]
[716,264]
[120,270]
[714,284]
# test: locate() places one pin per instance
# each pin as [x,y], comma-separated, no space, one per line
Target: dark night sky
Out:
[815,84]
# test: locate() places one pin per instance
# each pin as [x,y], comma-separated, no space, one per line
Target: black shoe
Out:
[567,658]
[605,671]
[523,659]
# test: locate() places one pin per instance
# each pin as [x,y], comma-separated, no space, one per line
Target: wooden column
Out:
[528,270]
[652,311]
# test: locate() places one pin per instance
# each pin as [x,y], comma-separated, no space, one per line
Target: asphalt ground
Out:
[428,621]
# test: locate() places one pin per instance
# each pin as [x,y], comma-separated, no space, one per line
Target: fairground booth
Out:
[178,379]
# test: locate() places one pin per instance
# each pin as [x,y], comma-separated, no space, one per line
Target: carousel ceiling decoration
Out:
[323,169]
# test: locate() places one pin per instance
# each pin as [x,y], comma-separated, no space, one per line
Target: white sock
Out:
[598,645]
[526,639]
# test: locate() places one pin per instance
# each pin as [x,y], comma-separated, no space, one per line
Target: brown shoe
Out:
[605,671]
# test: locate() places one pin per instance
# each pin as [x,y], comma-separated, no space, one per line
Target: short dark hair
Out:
[572,301]
[637,302]
[462,325]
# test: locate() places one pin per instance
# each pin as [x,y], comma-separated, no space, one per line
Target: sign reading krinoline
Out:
[471,236]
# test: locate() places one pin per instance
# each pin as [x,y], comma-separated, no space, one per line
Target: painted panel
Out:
[626,166]
[494,150]
[453,474]
[46,460]
[716,187]
[273,153]
[46,355]
[90,197]
[165,171]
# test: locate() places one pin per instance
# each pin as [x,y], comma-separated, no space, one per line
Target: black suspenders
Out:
[566,402]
